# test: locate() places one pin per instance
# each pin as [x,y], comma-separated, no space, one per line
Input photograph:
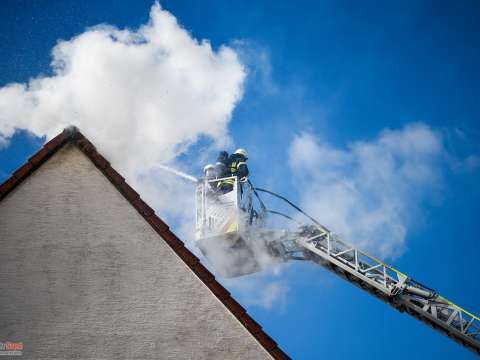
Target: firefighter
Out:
[237,166]
[209,175]
[209,172]
[223,157]
[221,165]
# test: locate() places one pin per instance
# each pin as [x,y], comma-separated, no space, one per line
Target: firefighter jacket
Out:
[238,166]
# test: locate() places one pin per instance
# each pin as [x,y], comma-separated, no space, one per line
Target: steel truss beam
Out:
[391,286]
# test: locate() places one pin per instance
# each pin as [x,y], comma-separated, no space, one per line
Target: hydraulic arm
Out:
[229,227]
[318,244]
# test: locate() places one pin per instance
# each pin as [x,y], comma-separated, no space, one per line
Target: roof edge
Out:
[74,136]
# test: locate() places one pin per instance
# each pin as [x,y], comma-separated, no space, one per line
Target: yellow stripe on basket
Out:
[231,226]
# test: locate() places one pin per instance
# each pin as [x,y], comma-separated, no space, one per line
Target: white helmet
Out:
[242,152]
[208,167]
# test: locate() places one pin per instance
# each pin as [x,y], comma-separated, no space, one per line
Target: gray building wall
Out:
[83,275]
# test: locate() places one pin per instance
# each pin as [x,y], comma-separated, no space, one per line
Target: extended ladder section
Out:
[229,227]
[390,285]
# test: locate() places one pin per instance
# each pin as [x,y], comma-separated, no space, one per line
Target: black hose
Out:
[264,208]
[294,206]
[283,215]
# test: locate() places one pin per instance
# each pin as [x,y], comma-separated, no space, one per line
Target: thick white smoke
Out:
[371,192]
[142,96]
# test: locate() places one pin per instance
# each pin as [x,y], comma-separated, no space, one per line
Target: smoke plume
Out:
[142,96]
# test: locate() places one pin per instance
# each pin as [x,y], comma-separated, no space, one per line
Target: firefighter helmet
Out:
[242,152]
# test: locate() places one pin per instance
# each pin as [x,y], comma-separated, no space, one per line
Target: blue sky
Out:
[338,73]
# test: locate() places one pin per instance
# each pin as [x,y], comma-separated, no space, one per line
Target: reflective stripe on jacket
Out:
[238,166]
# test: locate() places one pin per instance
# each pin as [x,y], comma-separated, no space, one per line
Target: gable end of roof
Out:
[74,136]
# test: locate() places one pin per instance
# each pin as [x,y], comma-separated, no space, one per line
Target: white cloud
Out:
[371,192]
[142,96]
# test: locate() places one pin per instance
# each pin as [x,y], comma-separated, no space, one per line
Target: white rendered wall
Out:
[82,275]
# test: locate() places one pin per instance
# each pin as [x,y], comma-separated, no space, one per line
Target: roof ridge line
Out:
[73,135]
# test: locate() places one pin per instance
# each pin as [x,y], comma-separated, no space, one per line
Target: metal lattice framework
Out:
[318,244]
[388,284]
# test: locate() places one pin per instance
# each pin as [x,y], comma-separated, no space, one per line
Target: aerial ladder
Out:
[232,233]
